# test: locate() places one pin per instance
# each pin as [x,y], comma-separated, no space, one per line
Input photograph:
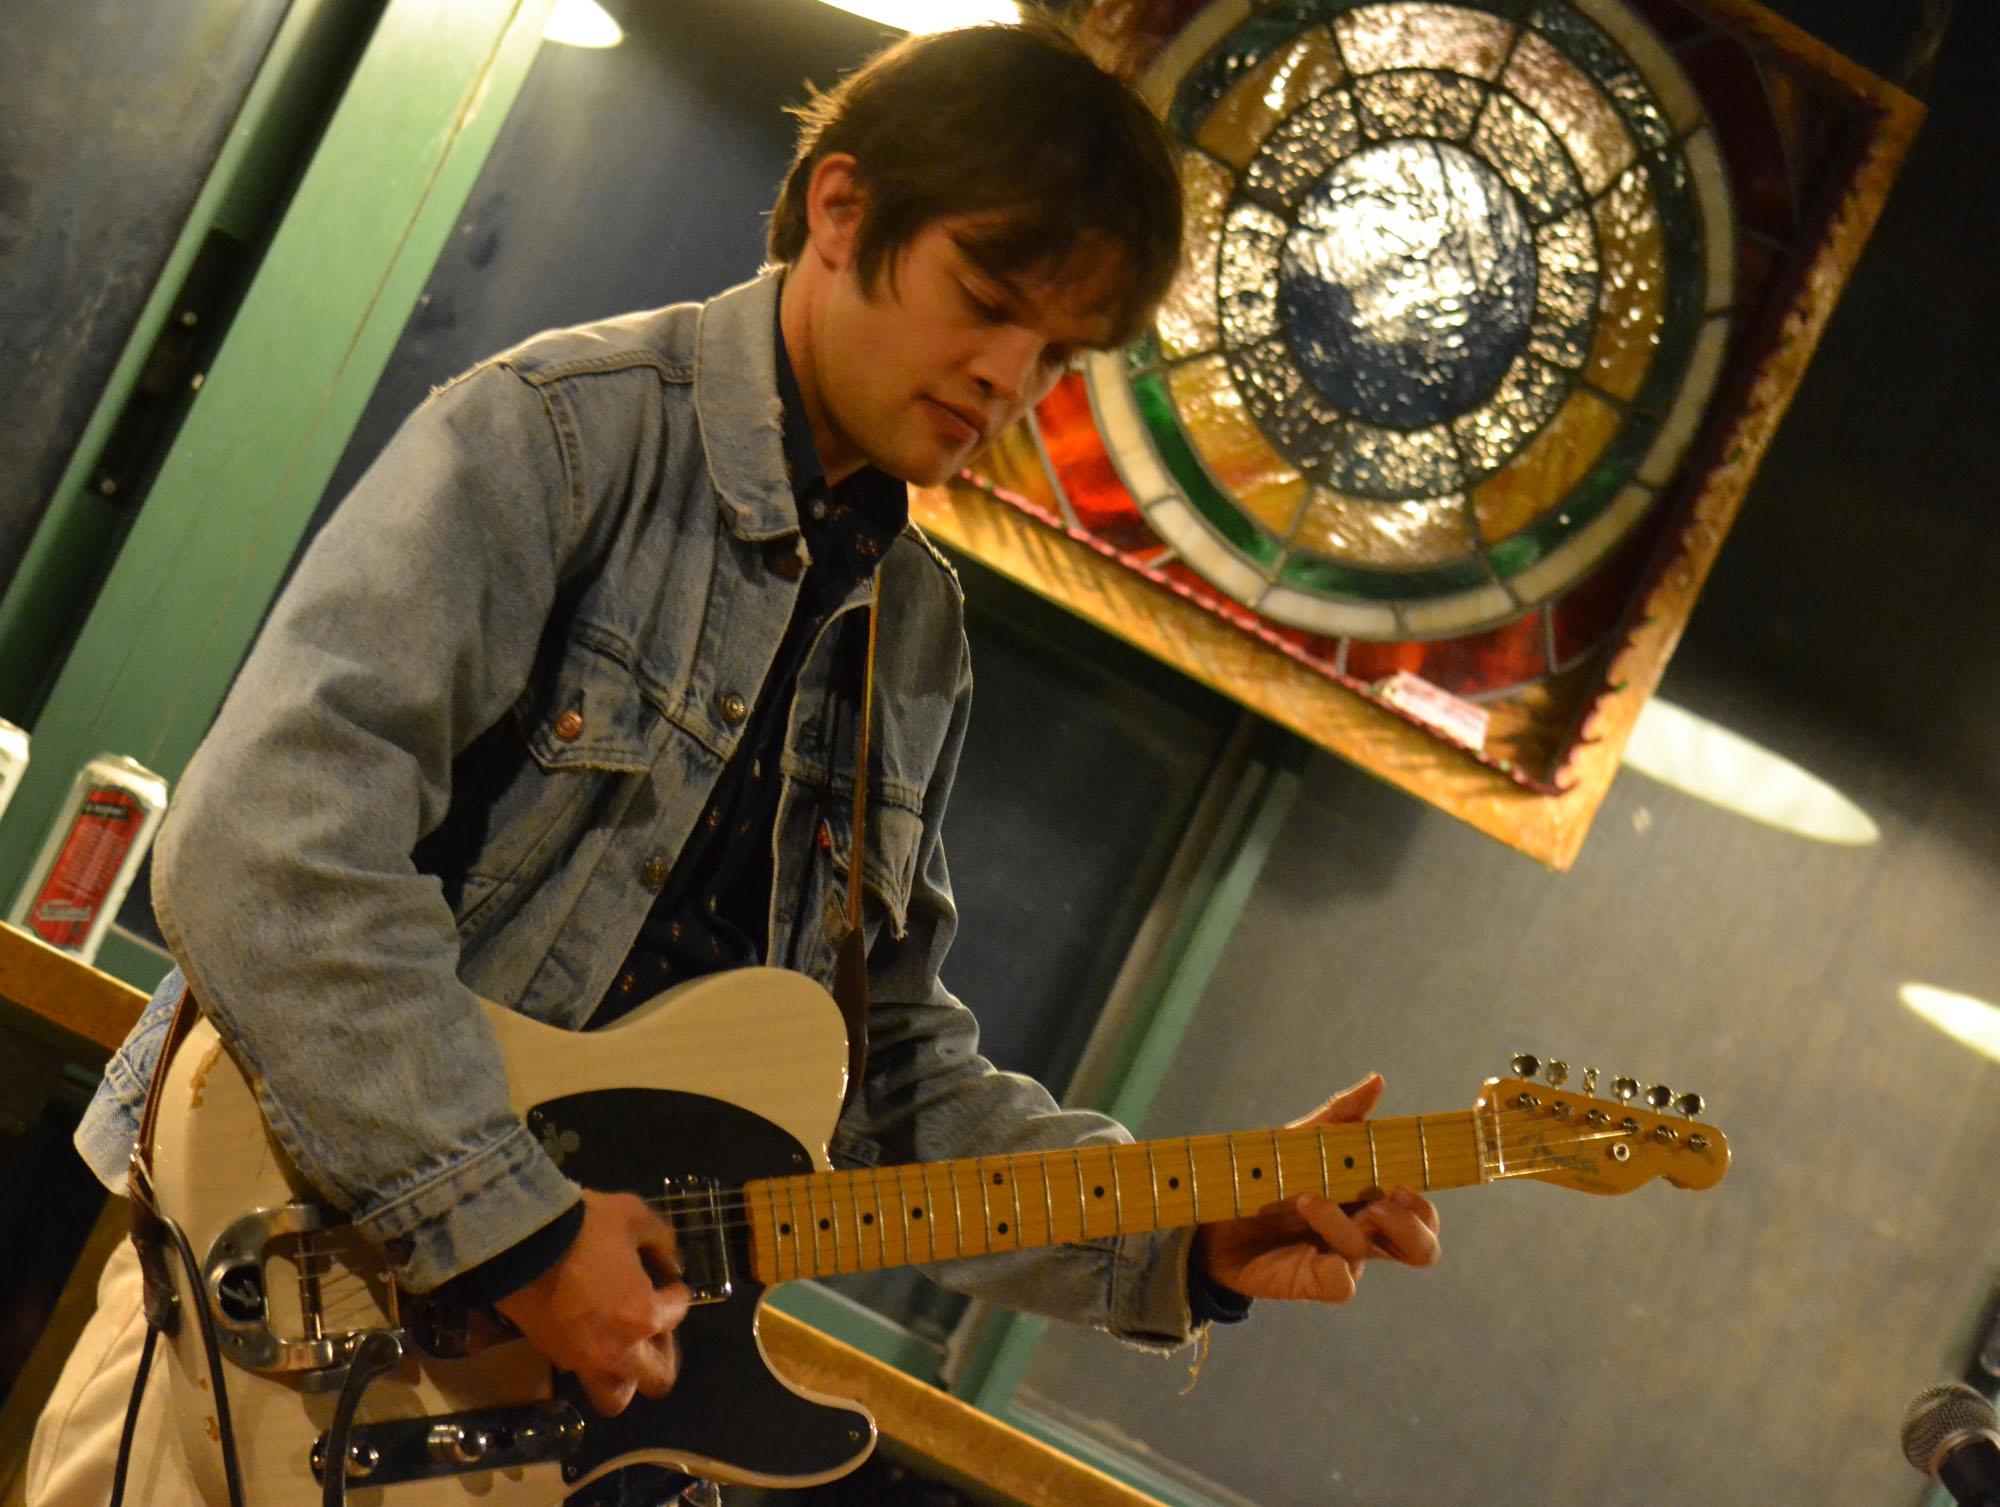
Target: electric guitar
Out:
[715,1102]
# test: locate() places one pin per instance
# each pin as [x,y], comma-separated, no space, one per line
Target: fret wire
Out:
[777,1234]
[1424,1147]
[860,1230]
[1235,1176]
[1117,1191]
[957,1208]
[1153,1177]
[1082,1208]
[881,1224]
[1048,1196]
[1325,1174]
[924,1175]
[1014,1184]
[1500,1141]
[1194,1179]
[1374,1164]
[985,1203]
[833,1218]
[792,1202]
[1278,1163]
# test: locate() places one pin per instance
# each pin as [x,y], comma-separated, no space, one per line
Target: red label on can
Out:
[87,866]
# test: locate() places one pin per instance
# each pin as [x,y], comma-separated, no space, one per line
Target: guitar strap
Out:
[850,966]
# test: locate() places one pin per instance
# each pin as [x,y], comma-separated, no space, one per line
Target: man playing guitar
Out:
[562,708]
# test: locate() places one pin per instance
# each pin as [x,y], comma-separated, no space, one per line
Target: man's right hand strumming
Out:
[608,1309]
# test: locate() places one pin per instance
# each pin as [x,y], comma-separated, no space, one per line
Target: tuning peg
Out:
[1689,1105]
[1526,1064]
[1660,1097]
[1625,1090]
[1557,1073]
[1590,1080]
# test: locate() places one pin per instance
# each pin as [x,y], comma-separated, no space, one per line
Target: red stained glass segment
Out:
[1076,451]
[1480,664]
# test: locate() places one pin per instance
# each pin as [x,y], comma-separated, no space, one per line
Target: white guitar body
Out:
[765,1040]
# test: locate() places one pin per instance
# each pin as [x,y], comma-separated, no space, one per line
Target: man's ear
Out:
[835,205]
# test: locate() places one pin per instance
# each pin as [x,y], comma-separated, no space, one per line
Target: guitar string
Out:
[862,1184]
[308,1251]
[344,1290]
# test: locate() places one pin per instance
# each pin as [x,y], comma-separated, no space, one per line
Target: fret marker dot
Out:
[916,1213]
[867,1218]
[1350,1163]
[1256,1172]
[1003,1226]
[826,1224]
[1098,1192]
[1173,1182]
[784,1229]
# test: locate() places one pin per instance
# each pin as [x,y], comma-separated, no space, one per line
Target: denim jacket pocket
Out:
[889,863]
[586,710]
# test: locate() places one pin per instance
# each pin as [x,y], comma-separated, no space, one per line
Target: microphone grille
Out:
[1936,1414]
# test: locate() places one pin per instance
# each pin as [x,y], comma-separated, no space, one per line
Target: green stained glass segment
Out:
[1156,406]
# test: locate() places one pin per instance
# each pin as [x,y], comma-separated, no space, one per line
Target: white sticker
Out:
[1458,719]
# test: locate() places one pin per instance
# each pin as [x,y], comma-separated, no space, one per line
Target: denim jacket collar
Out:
[737,406]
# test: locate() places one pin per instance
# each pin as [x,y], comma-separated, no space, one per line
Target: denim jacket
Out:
[482,719]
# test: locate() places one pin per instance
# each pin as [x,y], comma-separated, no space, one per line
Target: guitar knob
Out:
[1558,1074]
[1690,1105]
[454,1444]
[361,1461]
[1590,1080]
[1526,1064]
[1660,1096]
[1625,1090]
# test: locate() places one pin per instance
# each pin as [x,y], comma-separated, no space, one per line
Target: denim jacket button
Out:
[654,874]
[569,725]
[734,708]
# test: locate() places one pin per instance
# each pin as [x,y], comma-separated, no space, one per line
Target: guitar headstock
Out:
[1537,1124]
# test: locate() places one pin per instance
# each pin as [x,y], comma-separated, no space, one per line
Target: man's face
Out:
[944,355]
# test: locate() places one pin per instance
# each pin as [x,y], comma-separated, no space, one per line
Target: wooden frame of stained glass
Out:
[1488,313]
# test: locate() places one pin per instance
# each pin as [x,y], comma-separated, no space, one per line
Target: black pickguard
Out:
[727,1407]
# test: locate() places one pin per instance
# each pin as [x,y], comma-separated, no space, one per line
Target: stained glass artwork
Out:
[1437,342]
[1488,312]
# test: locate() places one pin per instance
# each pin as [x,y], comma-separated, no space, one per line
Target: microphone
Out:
[1950,1433]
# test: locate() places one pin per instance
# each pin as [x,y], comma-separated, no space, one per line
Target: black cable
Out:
[225,1432]
[126,1434]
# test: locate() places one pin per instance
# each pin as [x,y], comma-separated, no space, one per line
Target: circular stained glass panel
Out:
[1455,295]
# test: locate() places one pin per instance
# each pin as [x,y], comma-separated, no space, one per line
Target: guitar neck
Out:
[875,1218]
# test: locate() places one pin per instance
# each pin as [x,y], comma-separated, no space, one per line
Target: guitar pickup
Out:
[449,1444]
[694,1208]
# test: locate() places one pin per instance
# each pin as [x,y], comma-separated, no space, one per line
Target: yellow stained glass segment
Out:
[1255,476]
[1633,283]
[1379,37]
[1572,106]
[1243,117]
[1413,532]
[1573,441]
[1187,322]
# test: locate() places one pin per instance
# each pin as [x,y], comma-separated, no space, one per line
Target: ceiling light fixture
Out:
[931,15]
[1968,1021]
[582,23]
[1711,763]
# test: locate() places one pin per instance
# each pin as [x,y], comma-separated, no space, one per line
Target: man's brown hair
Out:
[1014,123]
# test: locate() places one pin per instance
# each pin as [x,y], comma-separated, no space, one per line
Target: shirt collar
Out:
[880,503]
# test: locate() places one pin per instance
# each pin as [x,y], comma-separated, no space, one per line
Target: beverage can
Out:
[93,849]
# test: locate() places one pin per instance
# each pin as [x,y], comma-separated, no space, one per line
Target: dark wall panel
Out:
[113,117]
